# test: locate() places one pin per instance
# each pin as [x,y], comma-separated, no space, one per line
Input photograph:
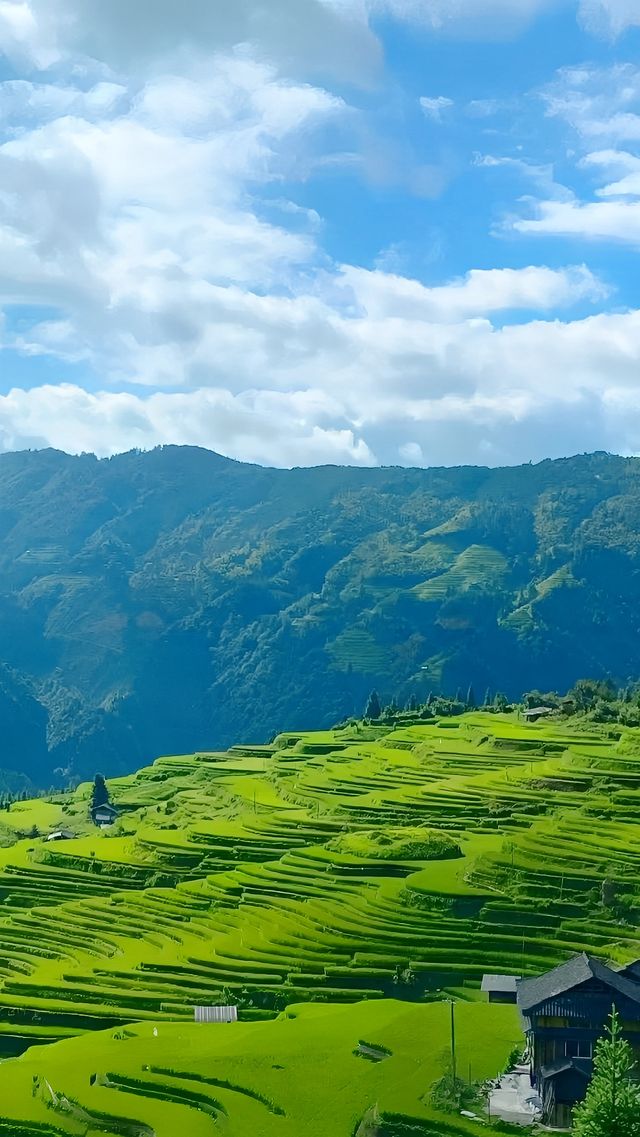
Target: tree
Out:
[612,1105]
[471,698]
[373,710]
[488,698]
[501,702]
[99,793]
[586,692]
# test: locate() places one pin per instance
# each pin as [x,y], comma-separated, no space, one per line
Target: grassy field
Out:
[304,1072]
[297,880]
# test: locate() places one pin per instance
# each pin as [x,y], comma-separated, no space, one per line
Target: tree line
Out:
[597,700]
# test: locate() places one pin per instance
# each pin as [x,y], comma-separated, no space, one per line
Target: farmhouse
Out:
[564,1013]
[535,713]
[104,814]
[61,835]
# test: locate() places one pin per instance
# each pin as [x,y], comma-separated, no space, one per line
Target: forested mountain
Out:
[175,600]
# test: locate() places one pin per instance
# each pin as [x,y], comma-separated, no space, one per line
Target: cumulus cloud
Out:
[308,36]
[258,427]
[467,392]
[612,220]
[148,235]
[481,292]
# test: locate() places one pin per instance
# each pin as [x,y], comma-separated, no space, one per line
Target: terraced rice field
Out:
[328,868]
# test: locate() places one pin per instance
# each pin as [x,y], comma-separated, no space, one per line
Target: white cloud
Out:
[614,220]
[21,38]
[259,427]
[610,17]
[411,453]
[145,224]
[465,392]
[299,35]
[435,107]
[600,105]
[481,292]
[597,102]
[163,272]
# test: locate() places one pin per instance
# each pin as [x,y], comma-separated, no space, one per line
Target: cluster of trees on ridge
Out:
[597,700]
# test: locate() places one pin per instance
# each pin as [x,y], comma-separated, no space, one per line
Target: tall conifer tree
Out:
[612,1105]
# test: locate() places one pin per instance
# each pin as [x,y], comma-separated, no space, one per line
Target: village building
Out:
[500,988]
[104,815]
[532,714]
[61,835]
[564,1013]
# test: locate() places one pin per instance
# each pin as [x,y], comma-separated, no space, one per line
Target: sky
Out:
[399,232]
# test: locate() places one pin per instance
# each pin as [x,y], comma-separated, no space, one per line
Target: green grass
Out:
[256,1077]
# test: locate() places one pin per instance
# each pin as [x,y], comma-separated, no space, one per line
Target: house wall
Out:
[503,997]
[580,1015]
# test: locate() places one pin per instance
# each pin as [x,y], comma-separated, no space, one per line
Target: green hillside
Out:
[297,880]
[176,600]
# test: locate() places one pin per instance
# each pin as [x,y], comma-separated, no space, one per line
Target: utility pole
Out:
[453,1044]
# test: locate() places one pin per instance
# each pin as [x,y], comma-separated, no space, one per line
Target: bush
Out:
[410,844]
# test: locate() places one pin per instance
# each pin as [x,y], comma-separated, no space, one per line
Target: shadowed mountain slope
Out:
[175,600]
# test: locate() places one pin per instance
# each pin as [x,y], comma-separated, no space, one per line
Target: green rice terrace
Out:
[338,887]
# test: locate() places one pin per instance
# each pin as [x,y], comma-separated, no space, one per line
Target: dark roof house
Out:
[104,814]
[564,1013]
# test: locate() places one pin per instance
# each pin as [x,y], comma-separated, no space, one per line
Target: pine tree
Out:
[99,793]
[612,1105]
[373,710]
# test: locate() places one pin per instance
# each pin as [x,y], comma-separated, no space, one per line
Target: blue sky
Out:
[361,231]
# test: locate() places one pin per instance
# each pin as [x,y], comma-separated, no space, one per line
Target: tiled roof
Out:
[573,973]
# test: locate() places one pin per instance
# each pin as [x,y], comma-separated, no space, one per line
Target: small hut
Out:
[500,988]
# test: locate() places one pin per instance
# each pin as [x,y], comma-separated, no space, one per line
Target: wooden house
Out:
[500,988]
[564,1013]
[105,814]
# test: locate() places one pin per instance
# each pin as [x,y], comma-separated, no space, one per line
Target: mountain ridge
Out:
[175,599]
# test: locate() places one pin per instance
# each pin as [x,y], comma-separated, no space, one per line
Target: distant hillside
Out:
[177,600]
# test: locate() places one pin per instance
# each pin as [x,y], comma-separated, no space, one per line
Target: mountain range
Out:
[176,600]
